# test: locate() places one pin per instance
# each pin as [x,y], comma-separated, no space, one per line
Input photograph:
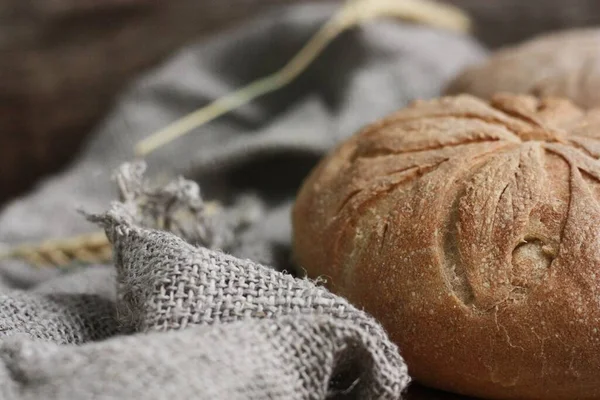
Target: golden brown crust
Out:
[565,64]
[471,230]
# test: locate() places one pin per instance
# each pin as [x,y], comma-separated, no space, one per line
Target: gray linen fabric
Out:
[59,317]
[192,310]
[94,279]
[253,359]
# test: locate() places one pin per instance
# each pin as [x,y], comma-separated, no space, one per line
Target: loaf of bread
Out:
[471,230]
[565,64]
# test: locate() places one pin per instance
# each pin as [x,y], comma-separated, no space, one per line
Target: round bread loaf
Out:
[565,64]
[471,230]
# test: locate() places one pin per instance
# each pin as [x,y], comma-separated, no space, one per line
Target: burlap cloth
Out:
[209,305]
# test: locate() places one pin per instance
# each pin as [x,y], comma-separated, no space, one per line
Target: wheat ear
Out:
[91,248]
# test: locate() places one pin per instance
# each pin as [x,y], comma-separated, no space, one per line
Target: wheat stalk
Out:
[355,12]
[95,248]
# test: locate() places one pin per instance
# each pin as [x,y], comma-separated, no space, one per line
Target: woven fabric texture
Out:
[166,284]
[61,317]
[289,359]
